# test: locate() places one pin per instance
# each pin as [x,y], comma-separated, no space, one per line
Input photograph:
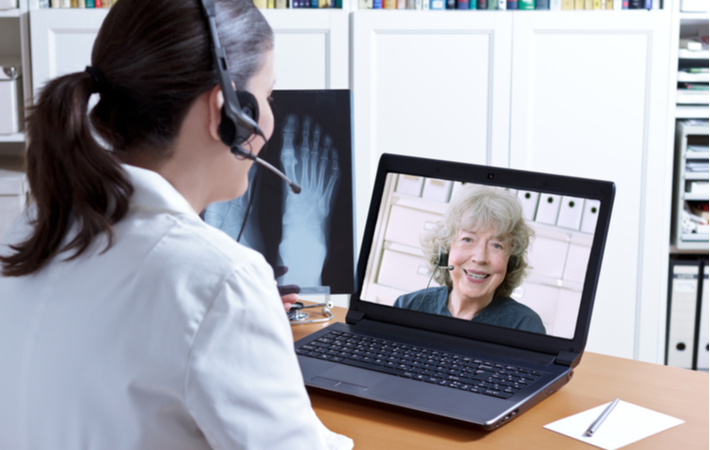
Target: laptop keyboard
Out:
[417,363]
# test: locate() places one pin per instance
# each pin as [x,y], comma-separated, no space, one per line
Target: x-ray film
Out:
[308,238]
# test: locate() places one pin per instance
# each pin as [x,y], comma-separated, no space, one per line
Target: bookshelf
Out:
[346,5]
[688,128]
[533,90]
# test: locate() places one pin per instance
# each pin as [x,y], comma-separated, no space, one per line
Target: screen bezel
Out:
[603,191]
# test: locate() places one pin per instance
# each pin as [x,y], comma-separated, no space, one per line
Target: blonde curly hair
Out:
[482,208]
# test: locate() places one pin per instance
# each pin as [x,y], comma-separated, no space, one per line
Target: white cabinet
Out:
[311,47]
[432,84]
[589,98]
[62,40]
[581,94]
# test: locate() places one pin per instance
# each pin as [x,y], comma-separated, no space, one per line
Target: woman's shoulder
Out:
[199,241]
[522,315]
[172,246]
[513,305]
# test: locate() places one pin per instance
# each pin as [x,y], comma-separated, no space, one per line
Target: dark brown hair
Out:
[155,59]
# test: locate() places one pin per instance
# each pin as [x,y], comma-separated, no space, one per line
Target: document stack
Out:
[687,340]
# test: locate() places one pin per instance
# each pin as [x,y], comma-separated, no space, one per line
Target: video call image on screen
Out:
[437,249]
[307,237]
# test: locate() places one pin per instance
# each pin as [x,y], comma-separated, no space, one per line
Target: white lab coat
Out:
[175,338]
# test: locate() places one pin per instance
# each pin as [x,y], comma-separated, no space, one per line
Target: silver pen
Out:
[593,427]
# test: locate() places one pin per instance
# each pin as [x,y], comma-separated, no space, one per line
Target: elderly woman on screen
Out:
[486,239]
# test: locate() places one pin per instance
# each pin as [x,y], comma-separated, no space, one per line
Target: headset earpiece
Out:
[236,133]
[250,107]
[512,263]
[443,260]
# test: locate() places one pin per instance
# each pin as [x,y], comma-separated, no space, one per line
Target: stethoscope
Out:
[297,317]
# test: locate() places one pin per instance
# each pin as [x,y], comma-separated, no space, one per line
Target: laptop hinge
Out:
[353,317]
[570,359]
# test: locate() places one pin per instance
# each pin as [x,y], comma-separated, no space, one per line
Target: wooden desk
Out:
[598,379]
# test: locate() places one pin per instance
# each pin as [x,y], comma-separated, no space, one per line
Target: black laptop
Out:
[410,338]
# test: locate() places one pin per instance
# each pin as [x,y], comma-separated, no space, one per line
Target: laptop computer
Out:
[410,339]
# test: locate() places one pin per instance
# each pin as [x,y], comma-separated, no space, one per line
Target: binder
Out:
[528,200]
[406,225]
[437,190]
[409,185]
[403,270]
[589,216]
[682,305]
[571,210]
[703,347]
[548,208]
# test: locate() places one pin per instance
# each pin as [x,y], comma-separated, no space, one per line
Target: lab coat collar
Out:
[150,189]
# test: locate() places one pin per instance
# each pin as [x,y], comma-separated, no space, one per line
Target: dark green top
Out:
[501,311]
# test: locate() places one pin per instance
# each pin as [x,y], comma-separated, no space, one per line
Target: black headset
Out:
[443,261]
[240,113]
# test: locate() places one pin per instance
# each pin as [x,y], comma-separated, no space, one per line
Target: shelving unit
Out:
[689,135]
[691,112]
[17,137]
[687,25]
[10,13]
[14,42]
[688,126]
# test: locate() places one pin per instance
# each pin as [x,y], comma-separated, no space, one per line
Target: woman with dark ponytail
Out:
[126,322]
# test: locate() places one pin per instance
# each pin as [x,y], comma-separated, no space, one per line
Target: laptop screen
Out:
[504,257]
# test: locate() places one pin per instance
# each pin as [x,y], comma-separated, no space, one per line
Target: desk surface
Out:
[598,379]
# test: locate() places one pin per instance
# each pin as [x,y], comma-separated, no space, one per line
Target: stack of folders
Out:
[693,73]
[687,343]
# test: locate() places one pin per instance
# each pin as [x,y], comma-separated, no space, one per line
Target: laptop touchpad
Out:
[348,379]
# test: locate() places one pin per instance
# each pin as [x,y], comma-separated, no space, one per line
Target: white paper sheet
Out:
[627,423]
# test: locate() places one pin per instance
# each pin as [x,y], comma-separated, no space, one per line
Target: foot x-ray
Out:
[308,238]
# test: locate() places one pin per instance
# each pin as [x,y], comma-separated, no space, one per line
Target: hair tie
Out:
[100,83]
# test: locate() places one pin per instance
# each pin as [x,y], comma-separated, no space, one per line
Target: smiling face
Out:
[480,260]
